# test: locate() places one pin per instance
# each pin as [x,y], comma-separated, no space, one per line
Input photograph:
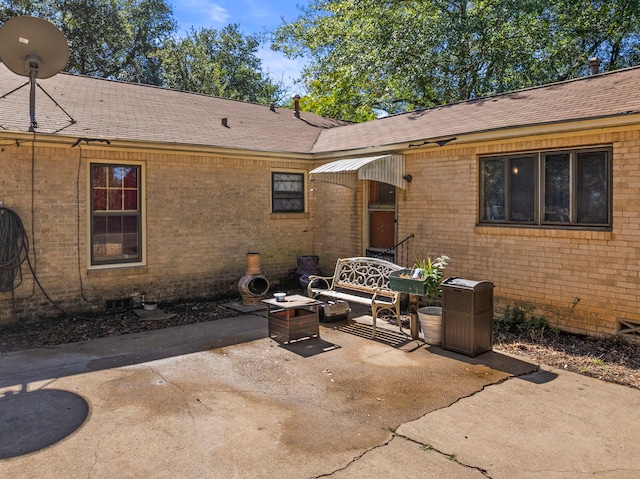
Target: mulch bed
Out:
[611,359]
[66,329]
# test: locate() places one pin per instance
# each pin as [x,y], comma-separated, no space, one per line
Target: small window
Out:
[565,188]
[287,191]
[115,214]
[557,188]
[382,195]
[522,189]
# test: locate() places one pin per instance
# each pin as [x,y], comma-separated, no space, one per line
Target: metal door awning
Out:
[385,168]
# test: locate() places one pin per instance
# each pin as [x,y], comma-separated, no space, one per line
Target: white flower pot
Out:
[430,319]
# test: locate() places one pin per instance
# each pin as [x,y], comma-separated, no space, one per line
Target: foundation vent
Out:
[118,304]
[629,328]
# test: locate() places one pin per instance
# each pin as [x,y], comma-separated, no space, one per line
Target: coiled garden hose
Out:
[14,249]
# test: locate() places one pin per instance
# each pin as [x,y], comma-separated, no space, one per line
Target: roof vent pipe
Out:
[225,123]
[296,106]
[594,65]
[272,106]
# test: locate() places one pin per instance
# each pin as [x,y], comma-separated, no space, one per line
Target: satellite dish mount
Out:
[35,48]
[33,74]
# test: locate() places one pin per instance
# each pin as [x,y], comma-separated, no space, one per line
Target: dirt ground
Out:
[611,359]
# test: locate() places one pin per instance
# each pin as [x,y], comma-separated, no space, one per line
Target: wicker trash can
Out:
[467,316]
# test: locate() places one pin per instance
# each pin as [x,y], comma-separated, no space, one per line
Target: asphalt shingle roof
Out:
[604,95]
[124,111]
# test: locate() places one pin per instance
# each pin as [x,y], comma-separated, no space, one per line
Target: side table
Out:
[294,318]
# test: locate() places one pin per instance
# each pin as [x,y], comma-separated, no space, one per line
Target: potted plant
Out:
[422,279]
[431,272]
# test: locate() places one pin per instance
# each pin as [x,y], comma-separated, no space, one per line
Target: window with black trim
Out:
[287,192]
[116,223]
[564,188]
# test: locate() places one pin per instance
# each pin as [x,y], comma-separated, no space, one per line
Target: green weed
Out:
[521,320]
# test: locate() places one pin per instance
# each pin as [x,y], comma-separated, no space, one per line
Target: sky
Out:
[253,17]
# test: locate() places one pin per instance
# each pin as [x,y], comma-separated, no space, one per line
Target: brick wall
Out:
[547,269]
[336,213]
[203,214]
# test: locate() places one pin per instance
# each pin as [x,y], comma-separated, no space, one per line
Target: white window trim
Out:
[143,214]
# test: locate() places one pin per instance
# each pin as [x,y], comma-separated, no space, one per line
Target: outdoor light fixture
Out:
[408,178]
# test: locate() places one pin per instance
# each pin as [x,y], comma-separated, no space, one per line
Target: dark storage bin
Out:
[467,316]
[334,310]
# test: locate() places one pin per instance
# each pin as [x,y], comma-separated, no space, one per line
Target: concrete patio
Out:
[221,400]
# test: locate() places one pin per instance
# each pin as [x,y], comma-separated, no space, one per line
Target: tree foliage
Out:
[107,38]
[220,63]
[134,40]
[399,55]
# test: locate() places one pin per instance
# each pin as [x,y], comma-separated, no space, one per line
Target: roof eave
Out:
[405,146]
[15,137]
[496,134]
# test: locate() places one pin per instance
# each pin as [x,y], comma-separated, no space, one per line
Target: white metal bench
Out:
[360,280]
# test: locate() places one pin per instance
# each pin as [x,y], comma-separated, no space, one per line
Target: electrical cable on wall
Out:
[33,197]
[78,143]
[84,297]
[40,45]
[14,240]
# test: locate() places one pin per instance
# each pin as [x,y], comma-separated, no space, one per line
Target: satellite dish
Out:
[30,42]
[35,48]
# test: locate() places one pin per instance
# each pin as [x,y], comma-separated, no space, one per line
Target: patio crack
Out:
[425,447]
[452,457]
[164,380]
[356,458]
[495,383]
[428,447]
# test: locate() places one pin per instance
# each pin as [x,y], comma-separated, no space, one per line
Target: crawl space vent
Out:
[629,328]
[116,304]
